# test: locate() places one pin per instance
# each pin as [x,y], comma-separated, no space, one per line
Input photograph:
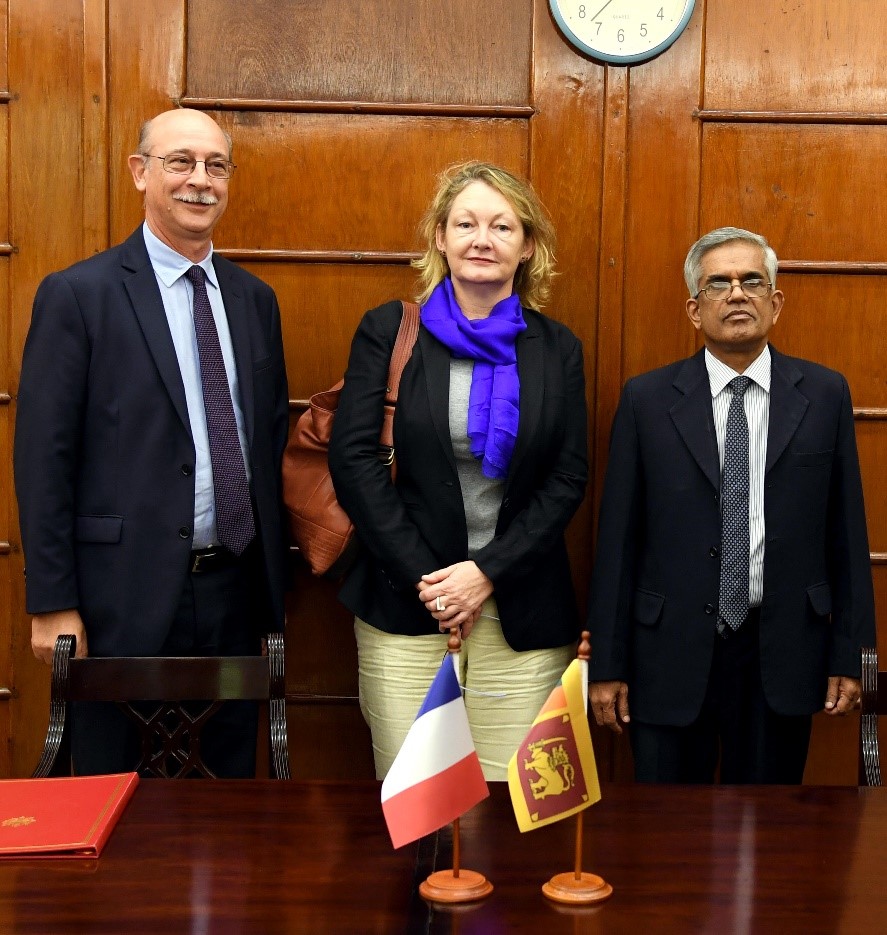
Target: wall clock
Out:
[622,31]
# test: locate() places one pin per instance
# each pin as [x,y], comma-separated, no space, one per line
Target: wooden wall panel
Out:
[833,320]
[348,182]
[815,55]
[870,440]
[664,172]
[324,50]
[813,189]
[565,168]
[146,74]
[321,305]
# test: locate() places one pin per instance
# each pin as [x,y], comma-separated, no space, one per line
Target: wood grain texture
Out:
[345,182]
[294,857]
[376,50]
[814,55]
[809,186]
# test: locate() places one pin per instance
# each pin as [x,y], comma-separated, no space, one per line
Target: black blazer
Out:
[104,460]
[417,525]
[654,591]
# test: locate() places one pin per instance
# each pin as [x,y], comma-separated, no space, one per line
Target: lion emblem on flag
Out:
[552,766]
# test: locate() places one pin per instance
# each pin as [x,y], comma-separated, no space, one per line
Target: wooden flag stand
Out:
[456,885]
[578,888]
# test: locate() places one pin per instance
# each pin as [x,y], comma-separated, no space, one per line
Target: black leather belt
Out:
[211,559]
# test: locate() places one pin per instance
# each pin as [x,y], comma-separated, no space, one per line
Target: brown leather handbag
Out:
[318,525]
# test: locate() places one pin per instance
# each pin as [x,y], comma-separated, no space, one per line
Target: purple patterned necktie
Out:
[733,598]
[235,523]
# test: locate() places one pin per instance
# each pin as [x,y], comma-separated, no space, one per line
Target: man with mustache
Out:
[152,417]
[732,586]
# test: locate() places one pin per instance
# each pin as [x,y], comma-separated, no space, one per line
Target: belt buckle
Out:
[197,558]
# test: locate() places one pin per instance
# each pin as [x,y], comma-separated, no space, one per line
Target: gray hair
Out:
[693,263]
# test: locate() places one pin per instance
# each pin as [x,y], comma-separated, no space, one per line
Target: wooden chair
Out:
[169,728]
[874,702]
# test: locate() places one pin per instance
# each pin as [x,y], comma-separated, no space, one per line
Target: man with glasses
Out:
[152,417]
[732,588]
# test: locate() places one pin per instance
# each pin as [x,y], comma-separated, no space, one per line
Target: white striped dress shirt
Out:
[757,412]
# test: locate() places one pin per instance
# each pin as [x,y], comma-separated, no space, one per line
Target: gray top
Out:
[481,495]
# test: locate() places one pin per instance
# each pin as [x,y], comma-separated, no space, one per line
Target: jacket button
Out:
[709,608]
[714,551]
[184,533]
[187,470]
[506,503]
[448,483]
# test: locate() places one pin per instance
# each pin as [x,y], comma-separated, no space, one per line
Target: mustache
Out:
[197,198]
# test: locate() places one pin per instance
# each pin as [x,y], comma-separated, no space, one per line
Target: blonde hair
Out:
[532,281]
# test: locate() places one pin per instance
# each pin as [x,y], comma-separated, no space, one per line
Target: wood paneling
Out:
[345,182]
[870,440]
[834,320]
[796,55]
[376,50]
[145,77]
[663,180]
[811,189]
[321,306]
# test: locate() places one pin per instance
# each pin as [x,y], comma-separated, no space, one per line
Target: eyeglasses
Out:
[721,288]
[182,164]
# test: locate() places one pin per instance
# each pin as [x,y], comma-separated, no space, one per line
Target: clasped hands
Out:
[455,595]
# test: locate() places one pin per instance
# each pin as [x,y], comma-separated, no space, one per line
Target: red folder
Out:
[66,817]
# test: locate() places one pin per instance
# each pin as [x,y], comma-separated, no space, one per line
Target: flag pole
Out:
[578,887]
[455,885]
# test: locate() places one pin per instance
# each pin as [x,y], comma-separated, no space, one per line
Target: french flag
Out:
[436,776]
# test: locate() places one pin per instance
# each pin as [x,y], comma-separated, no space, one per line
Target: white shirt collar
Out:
[719,374]
[169,265]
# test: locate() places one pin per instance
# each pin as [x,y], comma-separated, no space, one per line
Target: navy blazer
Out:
[104,459]
[417,524]
[654,591]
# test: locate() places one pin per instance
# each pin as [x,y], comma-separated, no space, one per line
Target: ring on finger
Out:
[439,604]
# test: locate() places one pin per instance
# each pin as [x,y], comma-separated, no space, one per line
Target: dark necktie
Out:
[234,512]
[733,594]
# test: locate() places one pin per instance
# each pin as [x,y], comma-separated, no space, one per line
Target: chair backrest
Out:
[874,703]
[185,692]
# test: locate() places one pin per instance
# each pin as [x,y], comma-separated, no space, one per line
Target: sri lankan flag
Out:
[553,774]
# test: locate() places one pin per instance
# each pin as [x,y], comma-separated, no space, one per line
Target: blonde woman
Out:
[490,439]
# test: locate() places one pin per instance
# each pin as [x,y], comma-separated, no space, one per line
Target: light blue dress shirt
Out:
[178,302]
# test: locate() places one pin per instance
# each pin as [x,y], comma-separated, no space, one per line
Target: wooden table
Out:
[288,857]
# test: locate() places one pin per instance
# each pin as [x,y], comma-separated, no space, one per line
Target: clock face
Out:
[622,31]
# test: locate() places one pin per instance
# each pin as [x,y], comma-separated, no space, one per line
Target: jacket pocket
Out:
[647,607]
[98,528]
[820,597]
[813,458]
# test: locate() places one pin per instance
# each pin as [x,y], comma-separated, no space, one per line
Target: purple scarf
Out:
[494,400]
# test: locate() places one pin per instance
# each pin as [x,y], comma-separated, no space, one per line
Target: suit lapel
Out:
[531,367]
[144,294]
[787,406]
[238,324]
[436,364]
[693,417]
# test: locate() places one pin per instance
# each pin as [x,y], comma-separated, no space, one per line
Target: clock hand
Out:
[601,10]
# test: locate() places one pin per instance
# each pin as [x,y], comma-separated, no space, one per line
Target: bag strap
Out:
[403,348]
[400,354]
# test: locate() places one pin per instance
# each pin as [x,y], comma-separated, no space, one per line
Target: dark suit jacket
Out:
[654,591]
[104,459]
[418,525]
